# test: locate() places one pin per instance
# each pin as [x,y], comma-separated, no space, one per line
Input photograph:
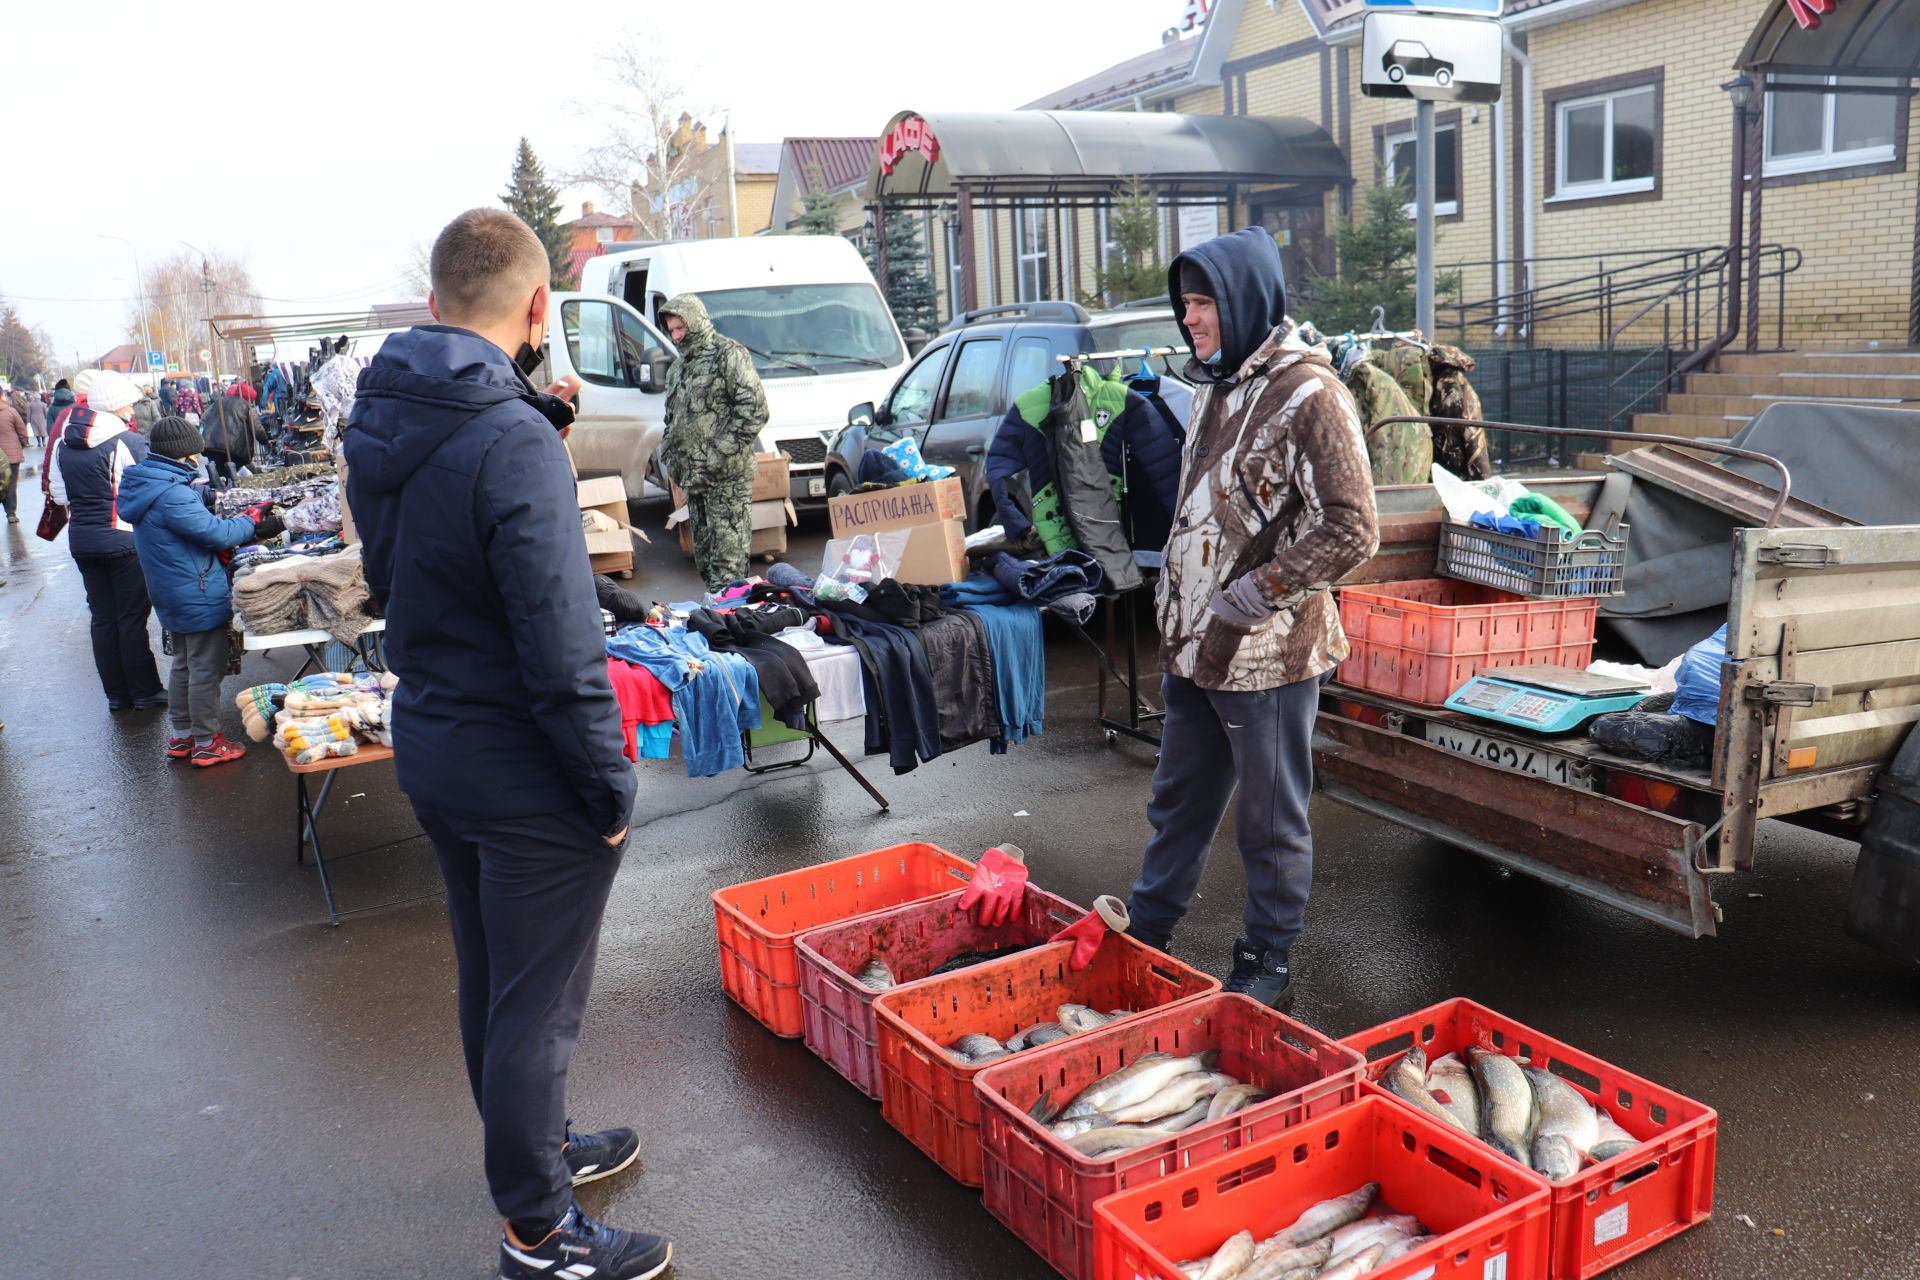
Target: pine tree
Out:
[536,202]
[819,208]
[909,286]
[1133,267]
[1375,248]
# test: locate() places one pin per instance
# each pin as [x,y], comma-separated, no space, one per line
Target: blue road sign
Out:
[155,360]
[1478,8]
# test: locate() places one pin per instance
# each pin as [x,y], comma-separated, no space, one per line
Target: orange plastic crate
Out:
[1492,1216]
[1421,640]
[758,921]
[1044,1190]
[1609,1211]
[914,941]
[927,1093]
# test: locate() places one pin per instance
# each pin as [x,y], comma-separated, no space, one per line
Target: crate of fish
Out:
[1629,1163]
[1129,1104]
[759,921]
[1372,1189]
[936,1035]
[844,966]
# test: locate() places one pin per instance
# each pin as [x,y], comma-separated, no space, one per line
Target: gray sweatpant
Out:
[1211,743]
[193,684]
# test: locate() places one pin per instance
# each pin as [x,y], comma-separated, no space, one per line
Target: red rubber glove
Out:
[999,883]
[1109,915]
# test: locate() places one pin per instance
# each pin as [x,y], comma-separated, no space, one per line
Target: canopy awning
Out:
[1858,38]
[1068,156]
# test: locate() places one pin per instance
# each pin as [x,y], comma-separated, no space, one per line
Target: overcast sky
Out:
[322,140]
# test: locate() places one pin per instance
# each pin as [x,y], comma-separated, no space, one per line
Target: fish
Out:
[1191,1268]
[1114,1139]
[1272,1259]
[1045,1033]
[1077,1018]
[1193,1115]
[1451,1084]
[1357,1236]
[1408,1079]
[1507,1117]
[1135,1082]
[1406,1244]
[1357,1265]
[876,976]
[1231,1258]
[1568,1126]
[967,959]
[1613,1140]
[1329,1216]
[993,1055]
[1235,1097]
[1172,1098]
[974,1045]
[1064,1129]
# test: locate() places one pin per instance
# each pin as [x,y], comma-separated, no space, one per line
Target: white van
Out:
[806,307]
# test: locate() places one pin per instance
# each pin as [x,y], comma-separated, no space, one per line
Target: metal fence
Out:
[1561,387]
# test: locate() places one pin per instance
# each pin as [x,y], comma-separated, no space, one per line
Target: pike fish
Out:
[1357,1265]
[1568,1127]
[1507,1118]
[1357,1237]
[1231,1258]
[1235,1097]
[1408,1079]
[1273,1259]
[1135,1082]
[1329,1216]
[876,976]
[1451,1084]
[1174,1097]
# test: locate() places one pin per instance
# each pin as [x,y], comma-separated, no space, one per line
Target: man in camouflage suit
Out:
[715,408]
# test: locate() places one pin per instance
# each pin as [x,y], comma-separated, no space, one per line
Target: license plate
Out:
[816,488]
[1508,755]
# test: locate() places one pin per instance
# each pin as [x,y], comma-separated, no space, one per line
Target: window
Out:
[970,392]
[603,234]
[799,330]
[1401,151]
[1808,131]
[912,400]
[1030,251]
[591,343]
[1605,144]
[1032,364]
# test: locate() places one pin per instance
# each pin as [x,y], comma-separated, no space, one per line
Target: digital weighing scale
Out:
[1546,699]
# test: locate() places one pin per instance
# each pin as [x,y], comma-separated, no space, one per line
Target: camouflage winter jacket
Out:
[1276,484]
[715,405]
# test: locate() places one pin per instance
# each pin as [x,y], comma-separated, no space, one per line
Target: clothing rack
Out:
[1145,353]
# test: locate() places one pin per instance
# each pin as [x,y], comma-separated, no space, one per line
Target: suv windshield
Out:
[1149,329]
[796,330]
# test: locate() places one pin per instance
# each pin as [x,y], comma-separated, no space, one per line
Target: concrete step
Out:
[1894,360]
[1744,407]
[1852,386]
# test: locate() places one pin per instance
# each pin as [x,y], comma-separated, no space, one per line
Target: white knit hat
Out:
[110,392]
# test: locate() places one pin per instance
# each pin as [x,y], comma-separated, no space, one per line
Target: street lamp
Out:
[140,293]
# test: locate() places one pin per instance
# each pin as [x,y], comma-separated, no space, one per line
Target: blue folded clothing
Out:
[1044,581]
[976,588]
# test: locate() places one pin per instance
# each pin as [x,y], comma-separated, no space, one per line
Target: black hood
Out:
[422,386]
[1249,291]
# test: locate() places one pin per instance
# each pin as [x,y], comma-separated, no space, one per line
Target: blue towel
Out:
[1019,669]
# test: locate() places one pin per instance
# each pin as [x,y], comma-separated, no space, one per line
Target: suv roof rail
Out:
[1072,312]
[1161,300]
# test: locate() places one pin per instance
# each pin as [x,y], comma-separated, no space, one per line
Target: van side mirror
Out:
[653,378]
[862,415]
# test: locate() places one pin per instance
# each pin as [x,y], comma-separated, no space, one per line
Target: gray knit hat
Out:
[175,438]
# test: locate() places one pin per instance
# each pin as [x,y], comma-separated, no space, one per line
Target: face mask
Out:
[1215,357]
[527,359]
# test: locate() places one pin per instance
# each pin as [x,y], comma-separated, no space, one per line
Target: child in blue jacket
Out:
[179,542]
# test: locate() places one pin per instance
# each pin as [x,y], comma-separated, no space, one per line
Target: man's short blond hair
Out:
[485,263]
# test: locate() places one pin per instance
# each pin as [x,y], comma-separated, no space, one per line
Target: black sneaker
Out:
[592,1156]
[578,1248]
[1158,941]
[1263,975]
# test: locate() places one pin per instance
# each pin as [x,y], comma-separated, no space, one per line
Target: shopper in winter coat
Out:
[36,419]
[715,409]
[230,426]
[14,442]
[186,401]
[179,543]
[146,412]
[63,400]
[166,398]
[1275,505]
[506,735]
[96,448]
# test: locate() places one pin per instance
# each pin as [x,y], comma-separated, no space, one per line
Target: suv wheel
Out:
[839,485]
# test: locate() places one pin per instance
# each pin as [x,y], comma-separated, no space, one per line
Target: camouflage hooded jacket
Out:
[715,405]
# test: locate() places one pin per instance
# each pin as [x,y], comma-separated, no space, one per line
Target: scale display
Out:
[1544,699]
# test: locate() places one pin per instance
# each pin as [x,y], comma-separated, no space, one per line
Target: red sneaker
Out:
[219,751]
[179,748]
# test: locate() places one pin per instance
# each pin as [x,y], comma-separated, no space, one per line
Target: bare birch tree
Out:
[179,302]
[649,167]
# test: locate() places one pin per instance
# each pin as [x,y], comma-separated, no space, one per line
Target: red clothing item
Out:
[643,700]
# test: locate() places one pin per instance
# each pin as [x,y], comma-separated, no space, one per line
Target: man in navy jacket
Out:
[506,732]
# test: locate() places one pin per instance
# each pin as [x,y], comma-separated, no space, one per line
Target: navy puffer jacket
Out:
[179,542]
[95,451]
[470,525]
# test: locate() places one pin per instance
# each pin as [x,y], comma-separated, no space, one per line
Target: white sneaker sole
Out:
[648,1275]
[608,1172]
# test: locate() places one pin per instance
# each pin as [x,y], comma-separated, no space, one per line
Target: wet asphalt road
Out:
[202,1080]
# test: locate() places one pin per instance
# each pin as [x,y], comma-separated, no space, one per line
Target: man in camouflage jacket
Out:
[715,409]
[1275,505]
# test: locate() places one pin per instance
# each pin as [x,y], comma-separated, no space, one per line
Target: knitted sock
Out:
[531,1231]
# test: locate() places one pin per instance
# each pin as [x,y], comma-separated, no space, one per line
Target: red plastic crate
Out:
[1044,1190]
[914,941]
[927,1094]
[1609,1211]
[758,921]
[1491,1216]
[1423,639]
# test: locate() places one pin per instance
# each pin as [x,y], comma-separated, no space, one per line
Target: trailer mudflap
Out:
[1620,854]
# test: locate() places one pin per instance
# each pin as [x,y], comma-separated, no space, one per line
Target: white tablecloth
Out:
[836,669]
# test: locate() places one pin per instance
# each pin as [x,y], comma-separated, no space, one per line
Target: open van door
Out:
[621,361]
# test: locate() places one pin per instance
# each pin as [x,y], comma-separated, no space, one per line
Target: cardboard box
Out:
[610,552]
[770,477]
[769,522]
[936,553]
[900,507]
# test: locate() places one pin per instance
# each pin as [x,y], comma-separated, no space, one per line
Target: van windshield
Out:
[798,330]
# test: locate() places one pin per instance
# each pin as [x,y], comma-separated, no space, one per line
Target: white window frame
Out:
[1826,157]
[1409,135]
[1564,190]
[1022,255]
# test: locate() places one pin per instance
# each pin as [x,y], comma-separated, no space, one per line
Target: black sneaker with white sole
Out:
[592,1156]
[578,1248]
[1264,975]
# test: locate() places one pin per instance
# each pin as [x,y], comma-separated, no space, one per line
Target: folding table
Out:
[307,817]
